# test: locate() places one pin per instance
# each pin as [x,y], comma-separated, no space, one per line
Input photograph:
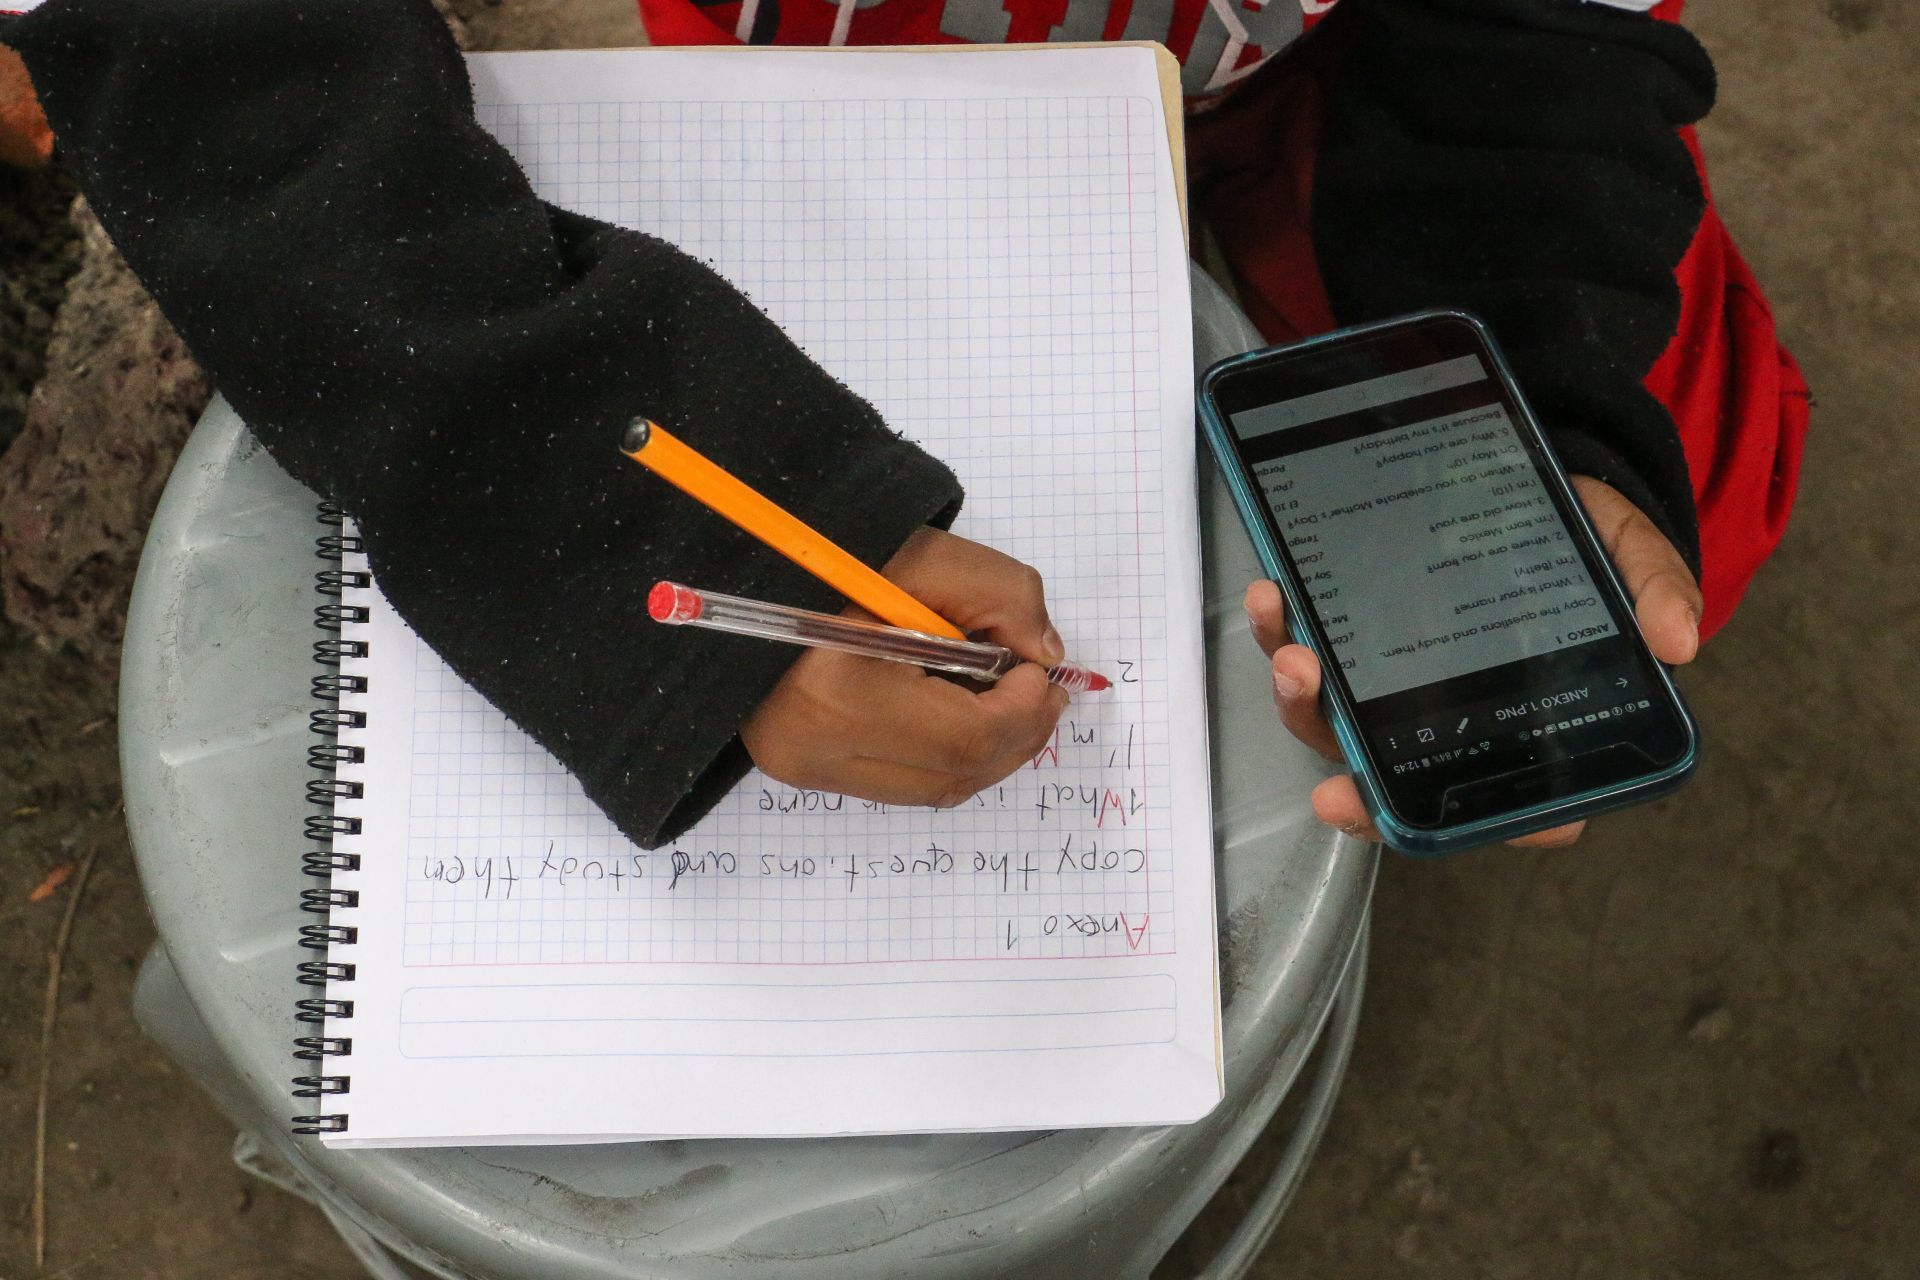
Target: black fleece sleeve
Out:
[369,279]
[1519,159]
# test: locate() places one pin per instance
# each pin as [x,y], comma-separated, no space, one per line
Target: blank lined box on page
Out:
[786,1020]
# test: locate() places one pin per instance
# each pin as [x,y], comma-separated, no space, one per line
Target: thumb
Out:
[979,590]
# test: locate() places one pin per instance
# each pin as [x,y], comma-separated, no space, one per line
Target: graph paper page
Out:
[988,247]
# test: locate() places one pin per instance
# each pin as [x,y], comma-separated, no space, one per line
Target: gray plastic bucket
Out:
[213,737]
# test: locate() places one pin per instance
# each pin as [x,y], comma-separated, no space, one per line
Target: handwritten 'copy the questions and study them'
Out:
[803,963]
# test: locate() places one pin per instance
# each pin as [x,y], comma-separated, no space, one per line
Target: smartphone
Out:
[1483,670]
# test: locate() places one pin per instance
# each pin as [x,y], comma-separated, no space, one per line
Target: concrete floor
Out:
[1685,1048]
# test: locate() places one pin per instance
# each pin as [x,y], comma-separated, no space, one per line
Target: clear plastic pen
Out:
[679,605]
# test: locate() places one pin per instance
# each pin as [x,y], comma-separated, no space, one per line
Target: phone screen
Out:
[1474,635]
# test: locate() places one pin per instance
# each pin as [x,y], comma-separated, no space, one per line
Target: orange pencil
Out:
[682,466]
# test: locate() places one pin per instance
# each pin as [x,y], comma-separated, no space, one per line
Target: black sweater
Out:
[1520,159]
[370,280]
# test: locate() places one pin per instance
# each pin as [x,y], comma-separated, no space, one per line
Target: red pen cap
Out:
[671,602]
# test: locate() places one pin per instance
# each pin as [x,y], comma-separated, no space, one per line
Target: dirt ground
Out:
[1685,1048]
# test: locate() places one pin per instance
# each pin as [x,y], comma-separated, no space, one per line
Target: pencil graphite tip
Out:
[635,437]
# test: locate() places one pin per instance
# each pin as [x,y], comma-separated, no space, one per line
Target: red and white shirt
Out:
[1218,42]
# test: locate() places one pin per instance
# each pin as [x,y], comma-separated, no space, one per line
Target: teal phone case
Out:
[1434,841]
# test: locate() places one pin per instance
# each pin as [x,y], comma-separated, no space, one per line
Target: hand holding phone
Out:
[1465,629]
[1666,601]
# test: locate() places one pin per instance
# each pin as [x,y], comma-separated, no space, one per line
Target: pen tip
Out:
[635,437]
[1096,682]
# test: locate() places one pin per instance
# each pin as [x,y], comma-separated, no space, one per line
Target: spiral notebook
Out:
[988,245]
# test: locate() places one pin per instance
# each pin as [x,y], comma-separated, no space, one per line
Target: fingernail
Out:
[1693,633]
[1286,686]
[1052,647]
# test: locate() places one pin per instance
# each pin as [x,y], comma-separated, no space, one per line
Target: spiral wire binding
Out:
[325,791]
